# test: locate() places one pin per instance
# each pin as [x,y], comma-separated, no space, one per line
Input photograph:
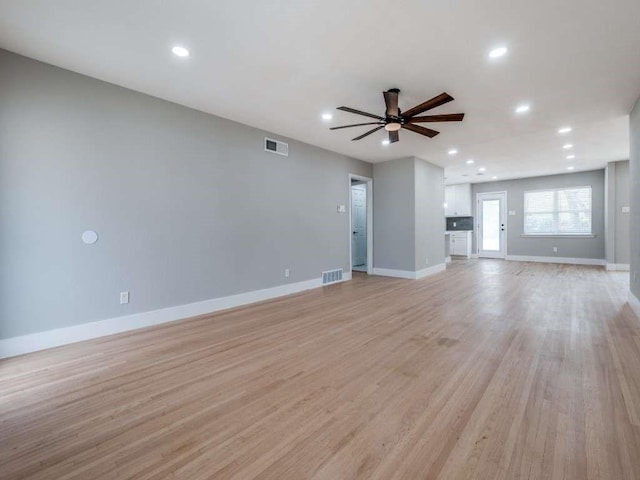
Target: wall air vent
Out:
[274,146]
[332,276]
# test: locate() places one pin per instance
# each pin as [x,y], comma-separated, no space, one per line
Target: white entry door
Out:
[492,225]
[359,226]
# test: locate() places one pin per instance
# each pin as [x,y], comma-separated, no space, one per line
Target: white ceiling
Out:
[278,65]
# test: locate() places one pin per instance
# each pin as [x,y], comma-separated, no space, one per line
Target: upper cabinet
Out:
[458,200]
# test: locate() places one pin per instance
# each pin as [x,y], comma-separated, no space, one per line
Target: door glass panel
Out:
[491,225]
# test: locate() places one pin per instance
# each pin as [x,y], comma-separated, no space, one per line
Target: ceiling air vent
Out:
[274,146]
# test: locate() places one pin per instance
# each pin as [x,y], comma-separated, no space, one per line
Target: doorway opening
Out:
[492,225]
[361,224]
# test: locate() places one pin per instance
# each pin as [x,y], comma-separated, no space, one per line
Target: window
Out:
[561,211]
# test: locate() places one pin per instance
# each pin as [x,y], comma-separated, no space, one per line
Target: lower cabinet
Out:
[460,244]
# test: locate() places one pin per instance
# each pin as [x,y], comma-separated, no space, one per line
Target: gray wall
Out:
[617,224]
[408,219]
[188,206]
[430,225]
[622,236]
[610,183]
[593,248]
[634,176]
[394,214]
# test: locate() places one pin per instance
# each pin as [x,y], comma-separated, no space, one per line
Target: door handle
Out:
[355,233]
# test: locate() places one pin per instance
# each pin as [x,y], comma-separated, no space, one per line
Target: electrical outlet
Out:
[286,273]
[426,261]
[555,249]
[124,298]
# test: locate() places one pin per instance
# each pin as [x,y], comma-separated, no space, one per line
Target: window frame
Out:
[556,213]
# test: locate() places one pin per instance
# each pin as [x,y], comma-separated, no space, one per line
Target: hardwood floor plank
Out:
[490,370]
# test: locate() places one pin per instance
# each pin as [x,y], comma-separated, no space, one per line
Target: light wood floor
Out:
[491,370]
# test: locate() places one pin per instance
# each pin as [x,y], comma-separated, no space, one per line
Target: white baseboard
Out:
[567,260]
[634,303]
[474,255]
[430,271]
[387,272]
[447,260]
[11,347]
[618,267]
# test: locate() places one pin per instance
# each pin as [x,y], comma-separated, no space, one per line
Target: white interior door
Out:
[359,226]
[492,225]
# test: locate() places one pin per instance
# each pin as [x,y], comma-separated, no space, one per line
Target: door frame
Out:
[505,218]
[369,183]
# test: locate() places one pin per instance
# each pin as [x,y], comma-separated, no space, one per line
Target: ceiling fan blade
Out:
[359,112]
[394,137]
[356,125]
[428,105]
[421,130]
[367,134]
[450,117]
[391,101]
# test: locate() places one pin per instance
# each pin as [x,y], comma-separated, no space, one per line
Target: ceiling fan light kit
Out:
[395,119]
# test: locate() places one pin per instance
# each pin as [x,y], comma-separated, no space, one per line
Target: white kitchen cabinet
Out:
[449,201]
[458,200]
[460,244]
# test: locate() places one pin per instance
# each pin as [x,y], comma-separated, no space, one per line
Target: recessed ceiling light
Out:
[470,162]
[386,142]
[482,169]
[523,108]
[567,146]
[570,157]
[564,130]
[494,178]
[180,51]
[453,151]
[571,168]
[498,52]
[327,116]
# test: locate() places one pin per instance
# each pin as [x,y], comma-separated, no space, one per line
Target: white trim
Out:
[369,182]
[618,267]
[11,347]
[567,260]
[387,272]
[557,235]
[430,271]
[634,303]
[409,275]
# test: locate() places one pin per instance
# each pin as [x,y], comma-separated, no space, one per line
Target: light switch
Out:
[512,212]
[342,209]
[626,209]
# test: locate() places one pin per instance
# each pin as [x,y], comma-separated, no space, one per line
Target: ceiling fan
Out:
[394,119]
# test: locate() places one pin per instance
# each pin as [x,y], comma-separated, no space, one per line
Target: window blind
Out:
[562,211]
